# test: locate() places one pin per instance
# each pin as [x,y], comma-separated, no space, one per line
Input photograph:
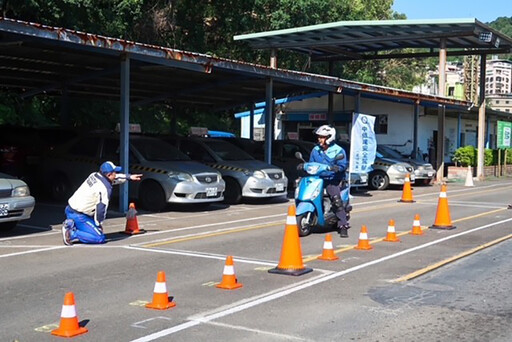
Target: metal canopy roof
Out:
[362,40]
[37,59]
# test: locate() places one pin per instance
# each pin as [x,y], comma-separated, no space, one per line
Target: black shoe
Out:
[343,232]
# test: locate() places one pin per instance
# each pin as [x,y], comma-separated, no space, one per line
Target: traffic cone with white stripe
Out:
[469,177]
[290,262]
[68,320]
[363,243]
[160,294]
[391,236]
[328,251]
[416,226]
[132,224]
[443,220]
[407,192]
[229,281]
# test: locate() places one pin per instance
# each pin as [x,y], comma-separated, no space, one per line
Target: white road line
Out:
[203,255]
[306,284]
[53,232]
[462,204]
[259,332]
[32,251]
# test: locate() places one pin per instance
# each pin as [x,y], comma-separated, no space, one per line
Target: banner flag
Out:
[363,144]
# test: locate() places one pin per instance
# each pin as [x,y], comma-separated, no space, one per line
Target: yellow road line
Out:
[432,267]
[196,237]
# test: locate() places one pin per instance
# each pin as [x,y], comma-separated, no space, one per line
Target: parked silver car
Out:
[169,176]
[244,175]
[16,204]
[424,173]
[385,171]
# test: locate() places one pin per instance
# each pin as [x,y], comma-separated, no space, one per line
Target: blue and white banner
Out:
[363,144]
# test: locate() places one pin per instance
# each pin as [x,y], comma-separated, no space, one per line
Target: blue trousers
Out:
[86,230]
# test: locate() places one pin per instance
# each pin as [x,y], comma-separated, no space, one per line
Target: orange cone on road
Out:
[132,225]
[328,251]
[391,236]
[290,262]
[229,281]
[363,242]
[407,192]
[443,220]
[416,226]
[68,320]
[160,294]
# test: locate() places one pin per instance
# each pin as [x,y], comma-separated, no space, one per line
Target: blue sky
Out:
[484,11]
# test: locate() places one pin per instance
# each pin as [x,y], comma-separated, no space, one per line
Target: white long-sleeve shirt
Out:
[92,197]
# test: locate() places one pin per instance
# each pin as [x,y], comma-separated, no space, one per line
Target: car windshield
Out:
[387,152]
[227,151]
[157,150]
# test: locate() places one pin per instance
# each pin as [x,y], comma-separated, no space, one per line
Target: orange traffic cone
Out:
[160,294]
[391,236]
[328,251]
[290,262]
[229,281]
[407,192]
[68,320]
[416,226]
[443,220]
[132,225]
[363,243]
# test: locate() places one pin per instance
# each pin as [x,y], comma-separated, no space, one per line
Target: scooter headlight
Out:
[312,169]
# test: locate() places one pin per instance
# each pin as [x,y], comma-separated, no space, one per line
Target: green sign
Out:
[504,133]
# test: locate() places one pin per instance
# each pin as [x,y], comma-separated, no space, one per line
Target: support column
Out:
[441,112]
[251,122]
[415,129]
[124,128]
[269,124]
[481,121]
[330,99]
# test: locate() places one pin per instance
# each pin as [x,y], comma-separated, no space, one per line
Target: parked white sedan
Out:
[16,204]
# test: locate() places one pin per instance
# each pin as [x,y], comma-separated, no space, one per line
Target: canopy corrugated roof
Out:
[360,40]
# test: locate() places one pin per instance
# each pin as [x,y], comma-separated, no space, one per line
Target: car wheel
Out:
[60,188]
[379,180]
[152,196]
[233,192]
[8,226]
[303,225]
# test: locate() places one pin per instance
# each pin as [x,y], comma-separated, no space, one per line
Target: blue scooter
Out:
[313,205]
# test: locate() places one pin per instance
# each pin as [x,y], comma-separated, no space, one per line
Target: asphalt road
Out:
[360,297]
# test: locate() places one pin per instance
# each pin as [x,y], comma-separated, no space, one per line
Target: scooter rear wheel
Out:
[303,225]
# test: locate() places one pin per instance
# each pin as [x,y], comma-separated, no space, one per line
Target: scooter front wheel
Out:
[304,224]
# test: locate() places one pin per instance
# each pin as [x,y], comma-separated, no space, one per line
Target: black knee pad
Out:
[337,202]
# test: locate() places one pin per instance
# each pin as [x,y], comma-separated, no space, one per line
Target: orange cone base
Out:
[160,306]
[406,201]
[134,232]
[364,248]
[442,227]
[292,272]
[392,239]
[416,232]
[229,286]
[69,333]
[328,257]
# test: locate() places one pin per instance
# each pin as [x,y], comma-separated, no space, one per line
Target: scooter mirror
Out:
[298,155]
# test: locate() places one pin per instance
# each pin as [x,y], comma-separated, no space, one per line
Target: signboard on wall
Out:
[504,134]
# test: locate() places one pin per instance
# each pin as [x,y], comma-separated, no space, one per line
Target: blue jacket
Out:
[328,157]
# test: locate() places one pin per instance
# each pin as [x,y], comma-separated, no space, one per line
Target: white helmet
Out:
[326,131]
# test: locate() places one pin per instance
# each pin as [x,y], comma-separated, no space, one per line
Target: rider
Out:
[328,152]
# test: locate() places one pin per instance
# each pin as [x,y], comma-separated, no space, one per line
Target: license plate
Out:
[210,192]
[279,187]
[4,209]
[413,177]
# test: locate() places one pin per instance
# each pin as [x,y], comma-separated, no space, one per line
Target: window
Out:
[381,124]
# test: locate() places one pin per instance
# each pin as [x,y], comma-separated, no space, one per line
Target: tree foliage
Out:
[208,27]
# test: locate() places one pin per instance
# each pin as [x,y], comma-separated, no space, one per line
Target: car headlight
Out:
[400,168]
[181,176]
[21,191]
[259,174]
